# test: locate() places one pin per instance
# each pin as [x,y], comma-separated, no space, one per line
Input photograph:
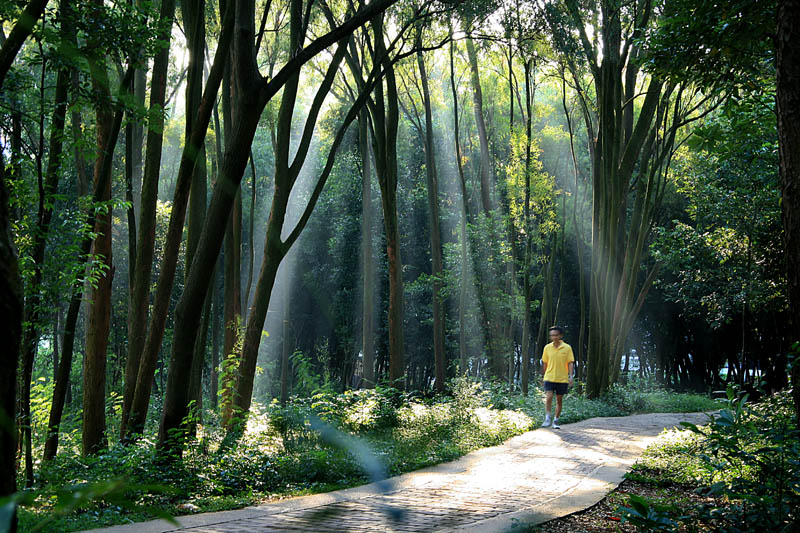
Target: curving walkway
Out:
[531,478]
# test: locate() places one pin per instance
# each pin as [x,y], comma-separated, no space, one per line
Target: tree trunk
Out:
[368,328]
[788,109]
[286,173]
[147,366]
[31,334]
[254,94]
[477,102]
[233,311]
[62,391]
[216,324]
[194,20]
[285,342]
[250,236]
[11,331]
[526,215]
[462,293]
[628,152]
[22,28]
[99,321]
[435,235]
[140,291]
[385,119]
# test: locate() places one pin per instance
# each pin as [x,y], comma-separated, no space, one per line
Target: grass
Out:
[281,455]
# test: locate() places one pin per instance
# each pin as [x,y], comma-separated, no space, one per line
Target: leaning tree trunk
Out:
[788,108]
[477,101]
[275,248]
[194,20]
[152,346]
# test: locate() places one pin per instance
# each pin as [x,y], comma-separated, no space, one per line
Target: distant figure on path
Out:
[558,365]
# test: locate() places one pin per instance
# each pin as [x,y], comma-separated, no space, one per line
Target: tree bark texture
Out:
[788,109]
[99,320]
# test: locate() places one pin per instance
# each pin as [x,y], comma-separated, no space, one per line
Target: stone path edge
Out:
[586,494]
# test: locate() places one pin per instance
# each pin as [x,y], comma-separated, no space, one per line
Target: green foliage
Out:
[723,251]
[747,459]
[360,410]
[725,46]
[647,515]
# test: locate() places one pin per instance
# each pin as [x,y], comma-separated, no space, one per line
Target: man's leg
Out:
[559,399]
[548,405]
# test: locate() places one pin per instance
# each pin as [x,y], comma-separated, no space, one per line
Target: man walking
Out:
[558,365]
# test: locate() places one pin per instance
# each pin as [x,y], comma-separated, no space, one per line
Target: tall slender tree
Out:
[10,281]
[145,242]
[788,100]
[256,92]
[630,151]
[435,228]
[166,277]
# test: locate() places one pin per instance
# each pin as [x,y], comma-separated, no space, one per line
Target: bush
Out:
[747,459]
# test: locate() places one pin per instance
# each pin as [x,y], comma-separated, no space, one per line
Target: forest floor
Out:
[605,515]
[281,457]
[529,479]
[739,472]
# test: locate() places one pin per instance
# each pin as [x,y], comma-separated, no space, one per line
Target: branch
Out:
[24,26]
[271,86]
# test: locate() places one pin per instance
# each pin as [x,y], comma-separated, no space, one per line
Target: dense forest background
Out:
[210,204]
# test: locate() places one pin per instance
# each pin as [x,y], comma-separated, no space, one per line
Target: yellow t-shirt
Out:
[557,360]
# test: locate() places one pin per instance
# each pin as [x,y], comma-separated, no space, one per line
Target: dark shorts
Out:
[558,388]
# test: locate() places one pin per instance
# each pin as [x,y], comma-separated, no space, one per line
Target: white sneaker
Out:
[547,423]
[555,424]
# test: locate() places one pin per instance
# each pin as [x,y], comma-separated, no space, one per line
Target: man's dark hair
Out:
[557,328]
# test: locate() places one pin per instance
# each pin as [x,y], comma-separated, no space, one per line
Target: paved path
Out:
[531,478]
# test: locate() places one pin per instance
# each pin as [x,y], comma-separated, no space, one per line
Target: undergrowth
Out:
[745,463]
[314,444]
